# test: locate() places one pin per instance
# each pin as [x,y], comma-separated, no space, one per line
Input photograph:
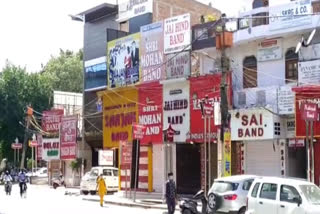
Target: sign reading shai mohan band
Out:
[178,65]
[253,124]
[177,34]
[132,8]
[151,49]
[176,109]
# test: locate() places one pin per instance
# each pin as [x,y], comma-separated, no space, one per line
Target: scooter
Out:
[8,187]
[57,182]
[189,206]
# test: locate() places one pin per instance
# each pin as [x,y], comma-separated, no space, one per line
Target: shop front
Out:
[261,135]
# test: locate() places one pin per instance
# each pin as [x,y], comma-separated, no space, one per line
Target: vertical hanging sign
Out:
[227,154]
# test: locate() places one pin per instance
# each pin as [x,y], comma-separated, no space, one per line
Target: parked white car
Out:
[283,196]
[229,194]
[89,180]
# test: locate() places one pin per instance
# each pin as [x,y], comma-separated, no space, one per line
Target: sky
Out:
[32,31]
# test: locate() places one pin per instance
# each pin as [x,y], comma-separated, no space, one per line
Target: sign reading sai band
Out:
[123,61]
[177,34]
[120,111]
[68,137]
[178,65]
[51,149]
[152,56]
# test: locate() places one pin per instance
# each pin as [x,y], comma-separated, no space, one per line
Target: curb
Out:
[123,204]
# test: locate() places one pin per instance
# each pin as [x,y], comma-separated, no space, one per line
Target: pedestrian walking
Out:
[101,188]
[171,194]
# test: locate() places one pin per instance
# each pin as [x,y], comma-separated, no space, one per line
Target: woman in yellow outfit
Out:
[101,188]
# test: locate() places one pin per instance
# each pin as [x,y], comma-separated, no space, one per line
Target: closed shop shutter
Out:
[262,158]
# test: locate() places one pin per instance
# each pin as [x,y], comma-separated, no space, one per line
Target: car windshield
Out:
[221,186]
[312,193]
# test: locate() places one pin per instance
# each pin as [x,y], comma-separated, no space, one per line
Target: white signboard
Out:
[50,149]
[178,66]
[130,9]
[285,100]
[309,72]
[256,124]
[105,157]
[270,49]
[177,34]
[176,109]
[290,128]
[290,15]
[296,142]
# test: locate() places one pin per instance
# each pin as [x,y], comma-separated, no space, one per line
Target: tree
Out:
[65,71]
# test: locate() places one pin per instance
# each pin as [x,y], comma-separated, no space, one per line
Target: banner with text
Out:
[177,33]
[130,9]
[152,57]
[227,154]
[120,111]
[123,61]
[309,72]
[68,137]
[51,149]
[150,112]
[178,65]
[51,120]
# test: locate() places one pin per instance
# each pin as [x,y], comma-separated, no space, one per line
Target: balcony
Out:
[250,28]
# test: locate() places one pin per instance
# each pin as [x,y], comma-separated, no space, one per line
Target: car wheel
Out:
[55,186]
[85,192]
[212,201]
[93,192]
[242,210]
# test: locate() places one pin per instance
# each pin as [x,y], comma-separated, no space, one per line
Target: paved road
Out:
[44,200]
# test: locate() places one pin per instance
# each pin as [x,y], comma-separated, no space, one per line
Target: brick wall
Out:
[163,9]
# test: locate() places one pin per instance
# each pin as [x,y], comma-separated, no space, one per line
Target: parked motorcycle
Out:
[58,182]
[189,206]
[8,187]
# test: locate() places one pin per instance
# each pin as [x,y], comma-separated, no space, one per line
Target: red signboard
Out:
[200,87]
[126,156]
[138,131]
[150,112]
[16,146]
[39,147]
[170,134]
[51,120]
[310,111]
[68,137]
[309,95]
[33,143]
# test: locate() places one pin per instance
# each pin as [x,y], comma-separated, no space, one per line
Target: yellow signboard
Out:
[120,110]
[227,154]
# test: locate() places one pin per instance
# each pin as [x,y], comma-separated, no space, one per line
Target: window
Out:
[255,190]
[94,173]
[115,172]
[269,191]
[288,194]
[291,66]
[247,184]
[250,72]
[107,172]
[221,187]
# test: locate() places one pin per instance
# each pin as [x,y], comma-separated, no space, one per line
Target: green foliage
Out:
[65,72]
[76,164]
[29,163]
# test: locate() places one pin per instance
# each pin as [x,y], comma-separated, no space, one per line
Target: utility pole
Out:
[25,140]
[223,86]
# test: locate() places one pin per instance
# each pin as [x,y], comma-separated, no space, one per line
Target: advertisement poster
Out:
[120,111]
[178,65]
[151,49]
[270,49]
[95,74]
[130,9]
[309,72]
[290,15]
[227,154]
[285,100]
[150,112]
[39,147]
[51,120]
[200,87]
[123,60]
[177,34]
[105,157]
[51,149]
[68,137]
[176,111]
[308,95]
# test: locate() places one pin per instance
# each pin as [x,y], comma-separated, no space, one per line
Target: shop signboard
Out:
[123,61]
[150,112]
[291,15]
[177,34]
[176,111]
[310,111]
[309,72]
[138,131]
[178,65]
[106,157]
[270,49]
[51,120]
[130,9]
[68,137]
[120,111]
[51,149]
[152,56]
[253,124]
[285,100]
[126,150]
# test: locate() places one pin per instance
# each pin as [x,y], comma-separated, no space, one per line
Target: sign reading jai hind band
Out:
[120,111]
